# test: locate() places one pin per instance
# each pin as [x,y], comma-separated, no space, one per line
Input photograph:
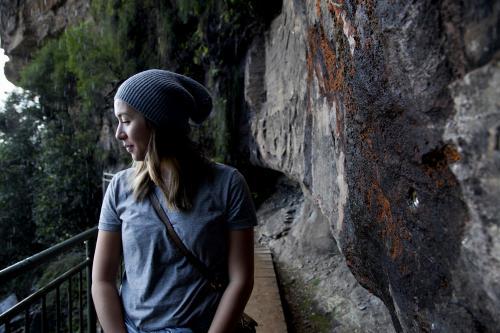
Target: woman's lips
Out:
[129,148]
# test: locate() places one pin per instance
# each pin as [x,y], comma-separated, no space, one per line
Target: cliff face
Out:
[25,25]
[387,114]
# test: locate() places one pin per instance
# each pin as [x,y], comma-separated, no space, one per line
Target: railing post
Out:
[91,315]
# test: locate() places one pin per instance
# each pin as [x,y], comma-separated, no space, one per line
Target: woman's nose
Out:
[120,135]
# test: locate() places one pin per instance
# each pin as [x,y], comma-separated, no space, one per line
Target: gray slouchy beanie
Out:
[166,99]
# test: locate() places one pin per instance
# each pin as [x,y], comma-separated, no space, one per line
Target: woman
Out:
[209,206]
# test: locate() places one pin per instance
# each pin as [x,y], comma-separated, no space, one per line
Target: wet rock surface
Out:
[387,115]
[320,293]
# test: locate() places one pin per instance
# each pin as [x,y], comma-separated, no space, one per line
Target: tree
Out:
[19,149]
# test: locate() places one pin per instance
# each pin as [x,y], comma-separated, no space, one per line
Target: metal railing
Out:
[36,303]
[106,178]
[35,307]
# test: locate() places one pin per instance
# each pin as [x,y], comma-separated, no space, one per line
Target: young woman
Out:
[208,204]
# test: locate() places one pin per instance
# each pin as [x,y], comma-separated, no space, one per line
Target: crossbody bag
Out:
[246,324]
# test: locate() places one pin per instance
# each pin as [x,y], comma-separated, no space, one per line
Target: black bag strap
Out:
[204,271]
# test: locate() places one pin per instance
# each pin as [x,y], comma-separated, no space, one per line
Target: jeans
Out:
[132,329]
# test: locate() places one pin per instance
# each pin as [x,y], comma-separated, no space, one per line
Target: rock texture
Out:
[320,291]
[475,130]
[387,114]
[25,25]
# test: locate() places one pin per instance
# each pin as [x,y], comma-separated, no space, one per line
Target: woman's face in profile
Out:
[132,130]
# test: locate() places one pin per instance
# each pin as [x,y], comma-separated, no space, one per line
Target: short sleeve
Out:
[109,220]
[240,207]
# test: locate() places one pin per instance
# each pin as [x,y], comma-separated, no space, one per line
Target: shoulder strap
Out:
[180,245]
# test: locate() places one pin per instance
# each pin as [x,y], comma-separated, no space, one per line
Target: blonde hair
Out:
[174,168]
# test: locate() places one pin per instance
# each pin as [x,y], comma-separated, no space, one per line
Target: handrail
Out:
[25,305]
[13,271]
[41,257]
[106,179]
[38,294]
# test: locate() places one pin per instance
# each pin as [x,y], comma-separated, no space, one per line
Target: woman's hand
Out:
[237,293]
[107,260]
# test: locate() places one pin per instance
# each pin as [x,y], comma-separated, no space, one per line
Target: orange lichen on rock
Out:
[334,77]
[392,231]
[322,60]
[436,165]
[384,207]
[366,136]
[342,21]
[396,249]
[318,9]
[326,58]
[404,269]
[451,153]
[335,8]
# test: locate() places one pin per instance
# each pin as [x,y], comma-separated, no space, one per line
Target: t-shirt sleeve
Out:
[109,220]
[241,210]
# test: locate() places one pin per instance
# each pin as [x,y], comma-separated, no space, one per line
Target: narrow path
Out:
[265,303]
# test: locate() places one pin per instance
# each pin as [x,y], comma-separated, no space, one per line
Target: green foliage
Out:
[19,147]
[88,56]
[67,186]
[95,59]
[48,74]
[66,178]
[222,30]
[76,76]
[189,8]
[300,299]
[164,24]
[51,148]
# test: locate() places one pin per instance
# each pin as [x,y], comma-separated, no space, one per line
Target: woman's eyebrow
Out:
[121,114]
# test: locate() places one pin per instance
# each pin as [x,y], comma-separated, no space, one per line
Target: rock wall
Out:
[25,25]
[387,113]
[319,291]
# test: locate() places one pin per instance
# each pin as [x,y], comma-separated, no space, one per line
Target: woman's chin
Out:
[137,158]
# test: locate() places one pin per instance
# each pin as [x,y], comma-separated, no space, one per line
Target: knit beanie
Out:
[167,99]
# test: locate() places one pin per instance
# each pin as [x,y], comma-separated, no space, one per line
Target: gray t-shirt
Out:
[160,288]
